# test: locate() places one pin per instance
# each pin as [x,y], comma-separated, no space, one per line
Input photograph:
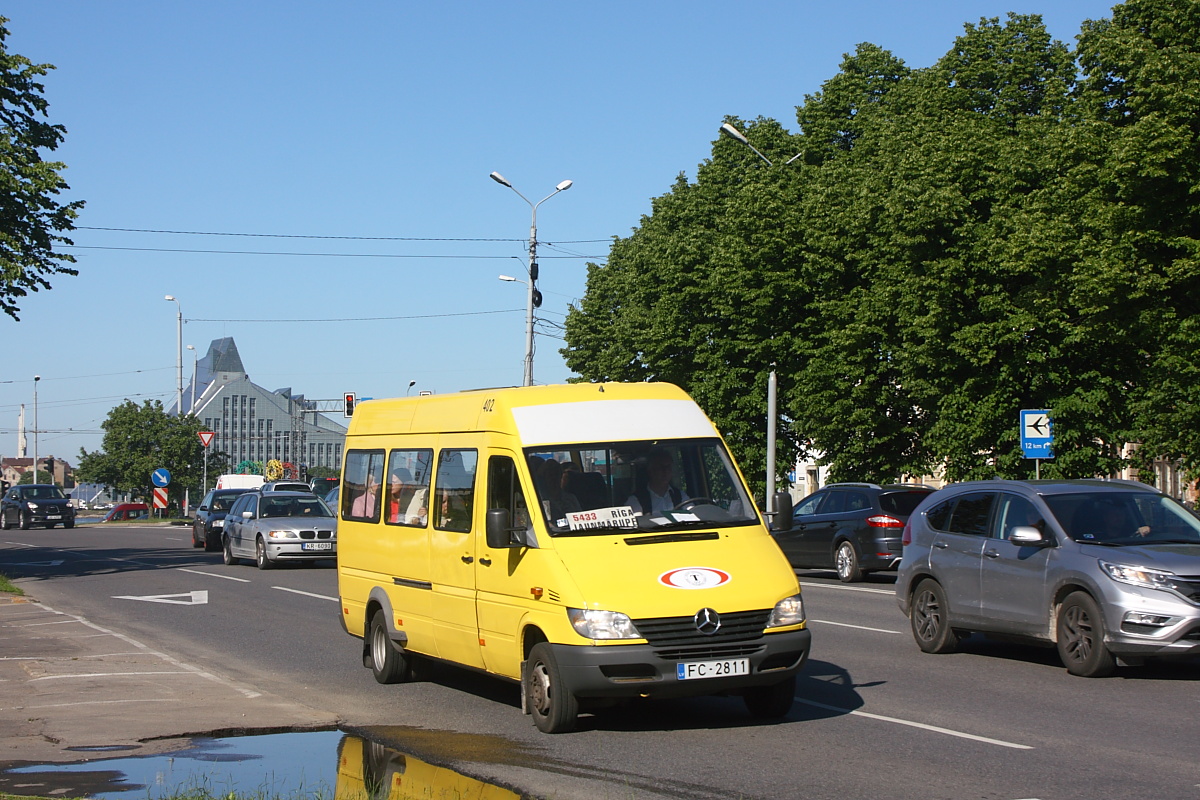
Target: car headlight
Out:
[1140,576]
[788,611]
[218,523]
[596,624]
[282,535]
[32,506]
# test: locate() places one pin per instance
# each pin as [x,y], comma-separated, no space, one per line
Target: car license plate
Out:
[54,516]
[691,670]
[317,546]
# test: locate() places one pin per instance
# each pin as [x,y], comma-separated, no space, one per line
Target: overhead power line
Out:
[317,236]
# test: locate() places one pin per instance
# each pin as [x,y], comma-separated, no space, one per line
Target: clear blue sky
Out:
[383,119]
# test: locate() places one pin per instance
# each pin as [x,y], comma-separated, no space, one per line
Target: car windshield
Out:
[1124,518]
[599,488]
[223,502]
[42,493]
[293,507]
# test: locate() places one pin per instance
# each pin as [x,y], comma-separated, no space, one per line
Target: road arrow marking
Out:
[193,598]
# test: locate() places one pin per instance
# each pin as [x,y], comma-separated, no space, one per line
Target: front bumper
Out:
[293,551]
[1180,635]
[641,670]
[50,515]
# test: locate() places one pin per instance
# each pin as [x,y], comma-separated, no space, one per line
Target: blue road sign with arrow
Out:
[160,477]
[1037,433]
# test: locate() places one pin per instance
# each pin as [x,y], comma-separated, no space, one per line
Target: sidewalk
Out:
[68,685]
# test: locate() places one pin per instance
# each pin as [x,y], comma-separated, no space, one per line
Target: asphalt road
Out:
[874,716]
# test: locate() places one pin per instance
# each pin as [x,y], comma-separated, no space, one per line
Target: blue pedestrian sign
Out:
[1037,433]
[160,477]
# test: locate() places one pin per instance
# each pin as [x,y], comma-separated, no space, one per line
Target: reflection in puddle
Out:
[323,764]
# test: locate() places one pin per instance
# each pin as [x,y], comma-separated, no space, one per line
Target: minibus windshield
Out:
[671,484]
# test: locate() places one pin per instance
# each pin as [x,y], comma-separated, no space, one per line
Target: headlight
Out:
[595,624]
[32,506]
[1140,576]
[282,535]
[788,611]
[218,523]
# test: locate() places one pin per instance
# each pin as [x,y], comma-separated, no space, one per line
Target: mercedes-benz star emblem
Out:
[708,621]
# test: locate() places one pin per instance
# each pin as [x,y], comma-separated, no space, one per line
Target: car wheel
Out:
[23,521]
[197,543]
[930,618]
[554,708]
[388,663]
[845,560]
[3,521]
[1081,637]
[771,702]
[229,558]
[69,525]
[261,560]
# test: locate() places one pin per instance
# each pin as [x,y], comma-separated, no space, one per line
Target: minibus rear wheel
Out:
[554,708]
[388,662]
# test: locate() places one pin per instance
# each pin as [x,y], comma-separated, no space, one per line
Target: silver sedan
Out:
[275,527]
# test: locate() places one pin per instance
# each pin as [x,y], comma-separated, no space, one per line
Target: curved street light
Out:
[533,268]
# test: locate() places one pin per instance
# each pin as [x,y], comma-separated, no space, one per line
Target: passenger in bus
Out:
[659,494]
[556,501]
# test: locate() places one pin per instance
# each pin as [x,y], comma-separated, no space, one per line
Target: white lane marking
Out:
[859,627]
[846,588]
[104,702]
[213,575]
[193,598]
[249,693]
[306,594]
[111,674]
[920,725]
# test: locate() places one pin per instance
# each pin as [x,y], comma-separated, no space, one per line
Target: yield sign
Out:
[206,437]
[197,598]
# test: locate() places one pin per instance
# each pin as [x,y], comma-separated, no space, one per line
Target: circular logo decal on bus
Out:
[693,578]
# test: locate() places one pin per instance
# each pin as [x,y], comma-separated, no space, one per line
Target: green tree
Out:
[42,477]
[31,216]
[141,439]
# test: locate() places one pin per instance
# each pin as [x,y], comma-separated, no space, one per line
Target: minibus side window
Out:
[361,481]
[454,490]
[408,487]
[504,491]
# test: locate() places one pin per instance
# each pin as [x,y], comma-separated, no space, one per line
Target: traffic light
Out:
[349,410]
[49,469]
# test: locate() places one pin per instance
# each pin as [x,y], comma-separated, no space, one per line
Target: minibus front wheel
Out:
[388,662]
[554,708]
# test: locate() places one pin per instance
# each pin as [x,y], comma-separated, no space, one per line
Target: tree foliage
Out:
[140,439]
[1012,227]
[31,216]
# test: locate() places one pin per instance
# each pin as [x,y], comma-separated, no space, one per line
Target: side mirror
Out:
[781,520]
[500,532]
[247,515]
[1028,536]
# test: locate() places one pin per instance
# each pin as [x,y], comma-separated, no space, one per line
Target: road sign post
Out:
[1037,436]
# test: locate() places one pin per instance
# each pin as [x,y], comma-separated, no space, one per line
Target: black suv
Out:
[854,528]
[209,523]
[36,504]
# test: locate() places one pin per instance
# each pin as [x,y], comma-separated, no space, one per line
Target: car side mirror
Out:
[781,519]
[247,515]
[500,532]
[1028,536]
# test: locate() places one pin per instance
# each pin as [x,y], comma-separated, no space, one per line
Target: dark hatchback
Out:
[853,528]
[209,523]
[36,504]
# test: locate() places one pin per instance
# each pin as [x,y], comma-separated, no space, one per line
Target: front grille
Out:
[1189,587]
[736,626]
[707,653]
[316,534]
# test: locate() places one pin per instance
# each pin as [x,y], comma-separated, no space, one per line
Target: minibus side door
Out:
[452,512]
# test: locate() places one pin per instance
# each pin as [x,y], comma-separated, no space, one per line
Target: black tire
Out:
[771,702]
[261,559]
[845,561]
[23,521]
[1080,629]
[554,708]
[69,525]
[4,524]
[930,619]
[197,543]
[388,662]
[227,551]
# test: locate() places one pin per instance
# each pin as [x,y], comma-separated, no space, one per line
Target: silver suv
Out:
[1101,569]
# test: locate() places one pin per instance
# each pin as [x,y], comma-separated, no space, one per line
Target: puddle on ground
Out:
[322,764]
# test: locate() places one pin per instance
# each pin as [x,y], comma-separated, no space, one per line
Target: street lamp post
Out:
[533,269]
[772,386]
[179,359]
[36,378]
